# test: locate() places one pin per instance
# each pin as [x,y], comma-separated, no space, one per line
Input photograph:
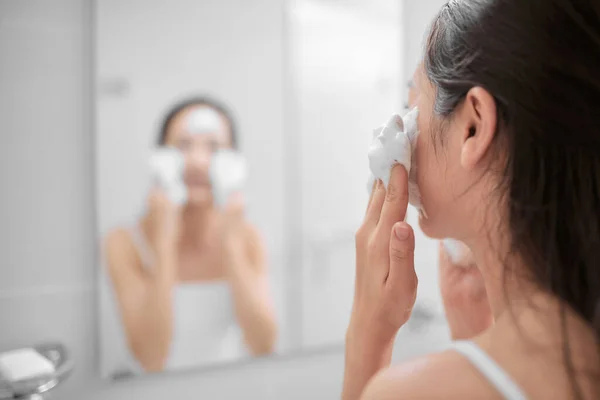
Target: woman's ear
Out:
[478,124]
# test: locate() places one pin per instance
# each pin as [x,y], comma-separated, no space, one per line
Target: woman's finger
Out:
[396,201]
[372,194]
[448,274]
[235,203]
[376,203]
[402,277]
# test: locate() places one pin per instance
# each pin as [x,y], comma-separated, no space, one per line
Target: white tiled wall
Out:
[47,233]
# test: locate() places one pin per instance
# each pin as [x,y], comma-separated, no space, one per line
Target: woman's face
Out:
[450,192]
[198,131]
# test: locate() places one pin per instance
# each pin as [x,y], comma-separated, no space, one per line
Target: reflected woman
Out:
[191,281]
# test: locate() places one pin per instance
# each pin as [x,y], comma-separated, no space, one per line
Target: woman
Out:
[188,279]
[508,163]
[462,286]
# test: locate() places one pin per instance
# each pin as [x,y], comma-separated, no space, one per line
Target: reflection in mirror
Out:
[191,270]
[224,236]
[190,199]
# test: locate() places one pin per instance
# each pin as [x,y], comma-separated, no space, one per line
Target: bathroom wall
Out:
[47,222]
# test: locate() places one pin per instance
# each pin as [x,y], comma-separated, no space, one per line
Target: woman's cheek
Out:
[430,182]
[423,174]
[424,155]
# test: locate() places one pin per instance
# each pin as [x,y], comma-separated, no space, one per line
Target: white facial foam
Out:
[204,120]
[396,142]
[458,252]
[167,167]
[228,174]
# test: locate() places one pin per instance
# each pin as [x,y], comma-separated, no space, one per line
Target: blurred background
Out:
[84,86]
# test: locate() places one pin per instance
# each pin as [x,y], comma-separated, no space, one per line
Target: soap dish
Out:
[16,384]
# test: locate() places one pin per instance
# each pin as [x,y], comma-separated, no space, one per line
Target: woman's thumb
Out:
[402,254]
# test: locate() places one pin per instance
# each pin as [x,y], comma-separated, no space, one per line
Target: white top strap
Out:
[496,376]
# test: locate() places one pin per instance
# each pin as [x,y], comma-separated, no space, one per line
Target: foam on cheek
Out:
[228,174]
[204,120]
[458,252]
[166,166]
[396,142]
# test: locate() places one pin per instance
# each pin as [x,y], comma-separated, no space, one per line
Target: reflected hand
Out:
[465,298]
[232,230]
[232,219]
[386,283]
[163,221]
[233,213]
[245,264]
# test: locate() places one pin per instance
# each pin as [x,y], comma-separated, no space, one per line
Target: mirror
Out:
[190,183]
[220,128]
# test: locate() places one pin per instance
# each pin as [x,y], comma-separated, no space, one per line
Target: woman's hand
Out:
[232,230]
[386,283]
[163,222]
[233,213]
[245,264]
[465,298]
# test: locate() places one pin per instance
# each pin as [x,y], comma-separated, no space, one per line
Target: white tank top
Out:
[205,329]
[490,370]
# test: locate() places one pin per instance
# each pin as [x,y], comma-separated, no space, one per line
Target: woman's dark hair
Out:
[194,102]
[540,60]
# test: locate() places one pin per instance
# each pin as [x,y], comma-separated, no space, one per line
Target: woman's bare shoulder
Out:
[445,375]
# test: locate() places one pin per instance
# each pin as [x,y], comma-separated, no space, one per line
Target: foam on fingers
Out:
[396,142]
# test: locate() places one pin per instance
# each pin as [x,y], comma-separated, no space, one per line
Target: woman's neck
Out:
[524,310]
[506,276]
